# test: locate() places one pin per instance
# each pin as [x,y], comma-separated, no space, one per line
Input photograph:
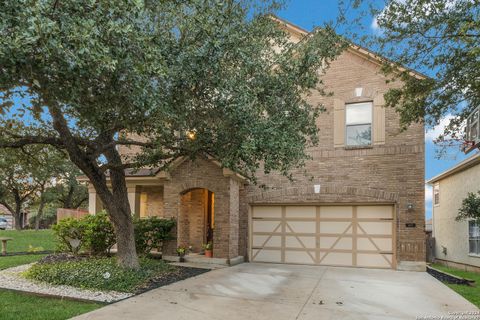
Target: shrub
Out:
[99,236]
[98,273]
[92,233]
[67,231]
[152,233]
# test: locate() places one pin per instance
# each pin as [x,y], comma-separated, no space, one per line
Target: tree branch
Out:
[29,140]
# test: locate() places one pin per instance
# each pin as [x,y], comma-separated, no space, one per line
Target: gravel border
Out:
[12,279]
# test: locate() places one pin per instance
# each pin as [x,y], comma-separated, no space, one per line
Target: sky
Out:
[310,13]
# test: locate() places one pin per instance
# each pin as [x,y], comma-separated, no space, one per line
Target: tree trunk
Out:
[17,215]
[39,214]
[119,211]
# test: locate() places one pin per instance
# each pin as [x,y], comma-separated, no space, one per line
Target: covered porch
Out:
[201,196]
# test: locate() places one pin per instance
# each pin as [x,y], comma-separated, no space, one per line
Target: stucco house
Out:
[457,243]
[363,208]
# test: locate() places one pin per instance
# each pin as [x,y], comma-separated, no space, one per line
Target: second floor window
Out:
[358,131]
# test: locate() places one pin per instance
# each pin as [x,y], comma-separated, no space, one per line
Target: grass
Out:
[16,306]
[13,261]
[25,238]
[99,274]
[472,294]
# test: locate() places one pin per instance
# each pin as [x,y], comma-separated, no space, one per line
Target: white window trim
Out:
[358,124]
[436,187]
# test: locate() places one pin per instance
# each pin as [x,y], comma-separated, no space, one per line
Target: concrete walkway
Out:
[267,291]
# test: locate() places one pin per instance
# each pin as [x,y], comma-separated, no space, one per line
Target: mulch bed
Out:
[181,273]
[449,278]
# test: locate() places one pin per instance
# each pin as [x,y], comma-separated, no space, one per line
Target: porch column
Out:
[134,200]
[234,219]
[95,205]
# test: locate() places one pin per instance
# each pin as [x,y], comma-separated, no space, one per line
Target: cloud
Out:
[428,194]
[374,25]
[433,133]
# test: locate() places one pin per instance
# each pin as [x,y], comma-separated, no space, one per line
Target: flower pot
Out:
[181,259]
[208,253]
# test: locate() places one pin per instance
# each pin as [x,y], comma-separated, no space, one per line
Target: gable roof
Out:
[354,48]
[462,166]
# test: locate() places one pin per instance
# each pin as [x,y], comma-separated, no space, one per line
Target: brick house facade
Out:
[387,174]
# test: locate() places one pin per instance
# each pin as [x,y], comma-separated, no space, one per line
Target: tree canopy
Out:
[172,78]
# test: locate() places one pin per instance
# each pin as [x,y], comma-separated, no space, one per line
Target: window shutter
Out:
[379,119]
[338,123]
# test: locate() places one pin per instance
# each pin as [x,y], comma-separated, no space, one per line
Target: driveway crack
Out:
[311,294]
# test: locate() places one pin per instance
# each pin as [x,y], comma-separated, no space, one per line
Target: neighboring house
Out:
[4,213]
[456,242]
[363,208]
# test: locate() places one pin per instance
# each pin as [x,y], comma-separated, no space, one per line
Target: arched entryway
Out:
[196,218]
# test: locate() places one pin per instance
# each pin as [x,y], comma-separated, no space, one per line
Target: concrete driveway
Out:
[266,291]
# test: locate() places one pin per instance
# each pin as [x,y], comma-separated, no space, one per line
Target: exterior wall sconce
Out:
[410,206]
[191,135]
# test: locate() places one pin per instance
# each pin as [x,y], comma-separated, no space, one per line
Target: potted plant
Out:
[208,248]
[182,251]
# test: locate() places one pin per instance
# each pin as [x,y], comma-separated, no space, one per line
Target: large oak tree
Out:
[221,71]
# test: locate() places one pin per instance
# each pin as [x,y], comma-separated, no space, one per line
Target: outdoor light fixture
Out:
[191,135]
[410,206]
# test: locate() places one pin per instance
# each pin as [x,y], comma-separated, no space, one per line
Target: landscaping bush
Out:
[99,236]
[99,274]
[152,233]
[95,233]
[66,231]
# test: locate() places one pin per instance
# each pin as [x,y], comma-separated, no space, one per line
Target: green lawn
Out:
[472,294]
[20,306]
[23,239]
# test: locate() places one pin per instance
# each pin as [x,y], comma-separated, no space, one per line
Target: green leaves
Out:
[470,208]
[225,69]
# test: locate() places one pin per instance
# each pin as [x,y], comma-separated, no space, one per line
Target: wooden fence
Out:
[70,213]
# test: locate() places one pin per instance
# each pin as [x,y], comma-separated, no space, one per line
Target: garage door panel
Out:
[267,241]
[266,226]
[337,259]
[383,244]
[342,212]
[374,260]
[301,212]
[265,255]
[303,257]
[300,242]
[359,236]
[336,243]
[301,227]
[340,227]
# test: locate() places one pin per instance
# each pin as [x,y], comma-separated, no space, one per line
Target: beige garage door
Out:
[359,236]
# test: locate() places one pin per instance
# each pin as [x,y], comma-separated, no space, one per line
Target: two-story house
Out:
[359,204]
